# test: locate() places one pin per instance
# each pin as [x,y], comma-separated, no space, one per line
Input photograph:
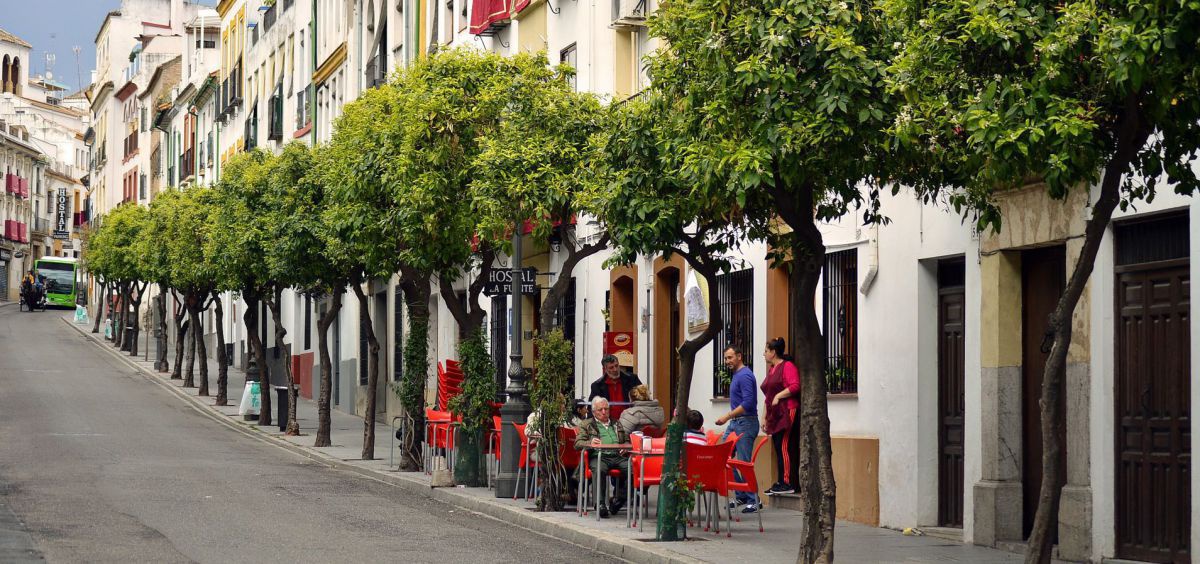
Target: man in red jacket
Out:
[614,385]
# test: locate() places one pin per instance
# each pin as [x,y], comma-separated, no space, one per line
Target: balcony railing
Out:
[41,225]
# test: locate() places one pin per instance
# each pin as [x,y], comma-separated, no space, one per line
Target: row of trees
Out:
[762,120]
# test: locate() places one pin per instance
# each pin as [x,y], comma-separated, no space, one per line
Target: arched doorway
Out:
[622,305]
[668,328]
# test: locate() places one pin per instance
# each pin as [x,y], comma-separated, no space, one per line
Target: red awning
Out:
[488,13]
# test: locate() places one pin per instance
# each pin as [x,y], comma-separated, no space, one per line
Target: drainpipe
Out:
[312,100]
[872,260]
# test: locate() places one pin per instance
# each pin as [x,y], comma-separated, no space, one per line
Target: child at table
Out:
[695,429]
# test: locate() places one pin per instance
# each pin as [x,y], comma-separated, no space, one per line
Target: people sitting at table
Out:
[579,413]
[601,429]
[695,429]
[615,385]
[644,412]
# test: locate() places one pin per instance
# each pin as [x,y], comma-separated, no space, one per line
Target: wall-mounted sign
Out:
[499,281]
[5,254]
[620,345]
[62,219]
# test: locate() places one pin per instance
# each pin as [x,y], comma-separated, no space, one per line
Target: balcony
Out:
[187,164]
[41,225]
[275,116]
[303,97]
[269,17]
[376,71]
[250,134]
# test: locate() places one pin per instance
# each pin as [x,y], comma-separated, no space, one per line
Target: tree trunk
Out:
[323,400]
[260,355]
[160,303]
[222,359]
[189,372]
[797,207]
[368,449]
[471,317]
[111,298]
[817,487]
[180,336]
[559,288]
[137,308]
[201,348]
[293,426]
[99,311]
[1131,139]
[671,520]
[416,366]
[122,315]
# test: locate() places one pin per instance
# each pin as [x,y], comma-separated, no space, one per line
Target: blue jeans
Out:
[747,427]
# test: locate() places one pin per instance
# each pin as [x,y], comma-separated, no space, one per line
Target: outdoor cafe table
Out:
[595,475]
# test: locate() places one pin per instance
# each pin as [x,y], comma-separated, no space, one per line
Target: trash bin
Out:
[251,402]
[281,410]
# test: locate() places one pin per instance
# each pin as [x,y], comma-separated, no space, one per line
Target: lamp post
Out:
[516,406]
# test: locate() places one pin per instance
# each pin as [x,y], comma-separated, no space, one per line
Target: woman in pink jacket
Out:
[781,394]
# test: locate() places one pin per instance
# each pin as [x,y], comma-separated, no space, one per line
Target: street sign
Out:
[62,220]
[499,281]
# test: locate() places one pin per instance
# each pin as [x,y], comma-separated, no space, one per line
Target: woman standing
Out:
[781,394]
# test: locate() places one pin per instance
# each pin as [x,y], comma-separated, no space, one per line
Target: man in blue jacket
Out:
[742,419]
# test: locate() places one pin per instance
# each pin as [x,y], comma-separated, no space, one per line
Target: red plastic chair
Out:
[707,471]
[749,481]
[645,472]
[494,447]
[438,434]
[523,463]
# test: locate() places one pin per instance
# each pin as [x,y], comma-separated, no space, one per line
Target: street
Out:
[97,464]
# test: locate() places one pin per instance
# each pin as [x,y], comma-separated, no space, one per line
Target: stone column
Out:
[1075,507]
[997,495]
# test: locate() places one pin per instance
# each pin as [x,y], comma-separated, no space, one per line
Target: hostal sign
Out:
[499,281]
[62,221]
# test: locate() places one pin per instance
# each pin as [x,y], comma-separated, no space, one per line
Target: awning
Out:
[490,16]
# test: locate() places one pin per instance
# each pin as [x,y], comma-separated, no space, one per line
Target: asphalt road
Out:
[99,465]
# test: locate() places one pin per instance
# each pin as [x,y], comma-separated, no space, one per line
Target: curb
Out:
[532,521]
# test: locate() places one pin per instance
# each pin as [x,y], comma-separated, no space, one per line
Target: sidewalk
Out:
[778,544]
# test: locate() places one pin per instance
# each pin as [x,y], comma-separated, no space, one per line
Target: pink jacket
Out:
[783,376]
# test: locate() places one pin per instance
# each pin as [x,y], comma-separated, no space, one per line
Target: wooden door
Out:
[1153,412]
[951,396]
[1043,277]
[675,335]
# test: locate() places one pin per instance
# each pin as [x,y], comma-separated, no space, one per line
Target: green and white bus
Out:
[59,273]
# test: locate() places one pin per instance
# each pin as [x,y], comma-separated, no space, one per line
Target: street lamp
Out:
[516,407]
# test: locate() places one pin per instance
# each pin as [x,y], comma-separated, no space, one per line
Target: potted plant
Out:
[474,406]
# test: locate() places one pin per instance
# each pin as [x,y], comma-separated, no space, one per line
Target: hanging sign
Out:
[62,220]
[499,281]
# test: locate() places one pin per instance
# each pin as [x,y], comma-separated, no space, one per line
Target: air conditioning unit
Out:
[628,14]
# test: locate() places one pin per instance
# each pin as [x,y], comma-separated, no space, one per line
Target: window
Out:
[499,331]
[735,296]
[308,322]
[570,57]
[841,321]
[564,318]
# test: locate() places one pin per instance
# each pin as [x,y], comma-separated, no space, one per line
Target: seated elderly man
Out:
[601,429]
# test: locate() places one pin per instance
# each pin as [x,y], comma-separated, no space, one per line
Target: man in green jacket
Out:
[598,430]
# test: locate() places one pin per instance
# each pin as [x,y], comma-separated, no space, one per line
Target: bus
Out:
[59,273]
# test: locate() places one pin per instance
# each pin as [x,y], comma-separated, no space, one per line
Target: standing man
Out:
[602,429]
[615,385]
[742,419]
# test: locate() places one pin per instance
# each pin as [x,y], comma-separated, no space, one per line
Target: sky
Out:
[57,27]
